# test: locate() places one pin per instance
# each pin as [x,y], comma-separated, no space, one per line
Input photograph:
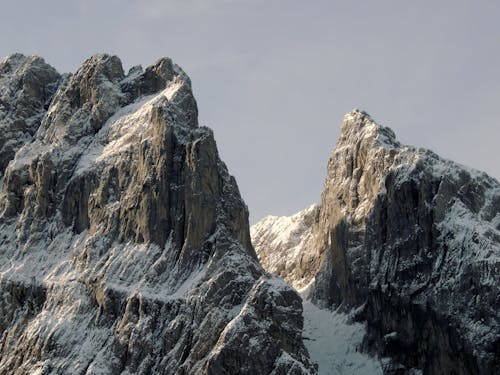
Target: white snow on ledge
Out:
[127,127]
[332,343]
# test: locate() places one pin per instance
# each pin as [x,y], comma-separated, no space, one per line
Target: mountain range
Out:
[125,246]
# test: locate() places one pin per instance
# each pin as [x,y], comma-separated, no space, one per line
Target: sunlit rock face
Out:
[412,239]
[124,242]
[283,245]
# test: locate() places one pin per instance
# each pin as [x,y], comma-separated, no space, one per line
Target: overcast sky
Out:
[274,78]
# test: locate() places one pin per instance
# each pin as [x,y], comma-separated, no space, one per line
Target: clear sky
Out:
[274,78]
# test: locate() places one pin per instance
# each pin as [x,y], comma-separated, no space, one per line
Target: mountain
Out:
[125,246]
[405,241]
[281,242]
[124,242]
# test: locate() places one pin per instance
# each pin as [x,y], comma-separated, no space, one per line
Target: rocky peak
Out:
[413,239]
[84,101]
[12,62]
[155,77]
[21,65]
[358,126]
[27,85]
[125,244]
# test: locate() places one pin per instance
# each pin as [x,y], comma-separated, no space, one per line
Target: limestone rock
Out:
[27,85]
[281,243]
[124,242]
[414,240]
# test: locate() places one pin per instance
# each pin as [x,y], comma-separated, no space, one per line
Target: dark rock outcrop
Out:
[415,240]
[124,242]
[27,85]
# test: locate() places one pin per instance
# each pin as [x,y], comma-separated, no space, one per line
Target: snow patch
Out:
[288,237]
[127,127]
[333,343]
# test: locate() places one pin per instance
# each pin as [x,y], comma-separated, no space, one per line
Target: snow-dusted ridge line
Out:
[124,242]
[288,237]
[412,237]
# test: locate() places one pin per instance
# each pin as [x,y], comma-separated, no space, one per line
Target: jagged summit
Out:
[18,62]
[359,125]
[27,84]
[410,237]
[124,242]
[12,62]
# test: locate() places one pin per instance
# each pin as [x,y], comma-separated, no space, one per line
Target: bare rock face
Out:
[124,242]
[27,85]
[415,240]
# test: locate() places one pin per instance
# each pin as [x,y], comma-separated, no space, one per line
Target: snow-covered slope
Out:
[288,237]
[124,242]
[412,238]
[335,342]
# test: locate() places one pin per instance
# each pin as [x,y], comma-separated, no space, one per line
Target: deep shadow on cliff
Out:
[411,242]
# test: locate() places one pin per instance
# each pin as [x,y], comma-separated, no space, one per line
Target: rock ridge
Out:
[27,85]
[124,242]
[412,239]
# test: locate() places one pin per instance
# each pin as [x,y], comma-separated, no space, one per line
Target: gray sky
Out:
[274,78]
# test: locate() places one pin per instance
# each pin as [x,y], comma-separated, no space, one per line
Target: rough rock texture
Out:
[288,237]
[415,240]
[124,243]
[27,85]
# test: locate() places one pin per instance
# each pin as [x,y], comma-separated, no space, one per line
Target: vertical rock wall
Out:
[124,242]
[414,240]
